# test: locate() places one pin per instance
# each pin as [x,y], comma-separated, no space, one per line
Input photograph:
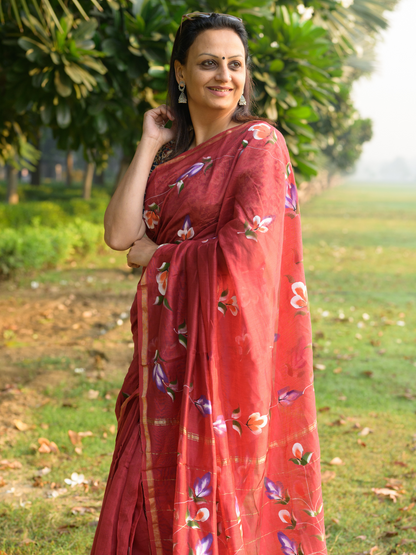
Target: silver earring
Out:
[242,101]
[182,97]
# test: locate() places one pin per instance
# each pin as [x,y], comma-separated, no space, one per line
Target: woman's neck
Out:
[204,129]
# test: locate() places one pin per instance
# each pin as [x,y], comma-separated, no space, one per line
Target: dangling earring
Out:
[242,101]
[182,97]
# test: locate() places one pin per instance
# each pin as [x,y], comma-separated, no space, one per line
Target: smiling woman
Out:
[216,416]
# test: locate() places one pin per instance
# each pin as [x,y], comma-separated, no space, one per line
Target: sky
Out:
[388,95]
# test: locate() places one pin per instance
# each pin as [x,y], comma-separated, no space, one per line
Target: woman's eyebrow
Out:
[214,56]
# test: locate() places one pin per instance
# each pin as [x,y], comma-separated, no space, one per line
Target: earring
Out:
[182,97]
[242,101]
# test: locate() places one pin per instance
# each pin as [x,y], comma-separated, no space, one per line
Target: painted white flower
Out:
[219,425]
[300,300]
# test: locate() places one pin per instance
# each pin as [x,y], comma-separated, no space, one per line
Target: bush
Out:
[52,214]
[37,247]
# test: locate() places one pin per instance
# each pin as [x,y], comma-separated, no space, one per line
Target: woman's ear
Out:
[178,71]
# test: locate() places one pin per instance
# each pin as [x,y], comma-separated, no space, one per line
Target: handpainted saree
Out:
[217,419]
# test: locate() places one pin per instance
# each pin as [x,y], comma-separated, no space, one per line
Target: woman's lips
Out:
[222,92]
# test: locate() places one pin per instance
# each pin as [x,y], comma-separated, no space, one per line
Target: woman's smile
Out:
[220,91]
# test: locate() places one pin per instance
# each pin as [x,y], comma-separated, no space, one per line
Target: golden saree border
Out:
[152,513]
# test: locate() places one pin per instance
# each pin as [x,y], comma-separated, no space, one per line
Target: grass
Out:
[360,260]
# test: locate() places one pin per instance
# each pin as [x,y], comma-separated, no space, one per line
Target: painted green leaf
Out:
[171,393]
[236,413]
[296,461]
[222,307]
[183,340]
[310,513]
[250,234]
[190,493]
[237,427]
[159,299]
[165,302]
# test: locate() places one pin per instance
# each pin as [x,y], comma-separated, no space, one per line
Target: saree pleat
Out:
[221,381]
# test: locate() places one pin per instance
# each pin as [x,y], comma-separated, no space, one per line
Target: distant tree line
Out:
[90,69]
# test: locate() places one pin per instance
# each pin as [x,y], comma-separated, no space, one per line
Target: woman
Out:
[217,448]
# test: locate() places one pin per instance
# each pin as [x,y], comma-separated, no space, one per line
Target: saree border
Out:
[153,523]
[206,143]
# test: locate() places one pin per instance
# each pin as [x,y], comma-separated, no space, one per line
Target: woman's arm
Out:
[123,221]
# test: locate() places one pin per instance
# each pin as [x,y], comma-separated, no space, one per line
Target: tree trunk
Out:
[69,167]
[12,182]
[88,177]
[124,164]
[99,178]
[36,175]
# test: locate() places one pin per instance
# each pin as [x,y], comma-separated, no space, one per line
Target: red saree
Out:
[226,458]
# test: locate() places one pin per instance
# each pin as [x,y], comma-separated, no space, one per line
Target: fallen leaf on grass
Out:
[361,537]
[65,528]
[93,394]
[6,465]
[82,510]
[337,370]
[21,426]
[328,475]
[336,461]
[400,463]
[2,482]
[55,492]
[78,450]
[324,409]
[43,471]
[390,534]
[112,429]
[374,550]
[319,366]
[365,431]
[361,442]
[47,446]
[85,434]
[407,508]
[387,492]
[74,437]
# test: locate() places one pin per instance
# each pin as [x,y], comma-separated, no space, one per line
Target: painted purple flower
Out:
[192,170]
[276,337]
[288,396]
[203,405]
[289,547]
[159,376]
[187,231]
[203,547]
[291,200]
[274,490]
[201,486]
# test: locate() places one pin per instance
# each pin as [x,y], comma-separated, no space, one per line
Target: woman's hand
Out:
[141,252]
[154,125]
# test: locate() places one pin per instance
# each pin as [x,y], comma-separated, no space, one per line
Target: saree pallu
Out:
[221,381]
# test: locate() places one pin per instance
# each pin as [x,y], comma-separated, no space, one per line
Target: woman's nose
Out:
[223,73]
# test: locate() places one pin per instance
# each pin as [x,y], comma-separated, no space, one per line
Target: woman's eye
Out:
[211,63]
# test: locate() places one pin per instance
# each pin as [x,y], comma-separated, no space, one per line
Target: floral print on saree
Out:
[222,379]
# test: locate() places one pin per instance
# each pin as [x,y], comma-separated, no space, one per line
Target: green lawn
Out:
[360,260]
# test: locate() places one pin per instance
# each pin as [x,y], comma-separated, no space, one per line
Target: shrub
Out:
[37,247]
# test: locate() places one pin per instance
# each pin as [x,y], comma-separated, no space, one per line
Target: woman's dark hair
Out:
[184,39]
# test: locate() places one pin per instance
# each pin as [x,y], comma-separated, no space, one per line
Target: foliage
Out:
[36,247]
[90,70]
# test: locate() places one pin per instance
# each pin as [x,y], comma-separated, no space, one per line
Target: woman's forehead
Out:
[218,42]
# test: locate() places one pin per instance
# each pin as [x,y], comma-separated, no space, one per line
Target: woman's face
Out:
[215,70]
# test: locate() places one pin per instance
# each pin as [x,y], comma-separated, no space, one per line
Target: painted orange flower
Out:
[260,131]
[256,423]
[162,280]
[300,300]
[151,218]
